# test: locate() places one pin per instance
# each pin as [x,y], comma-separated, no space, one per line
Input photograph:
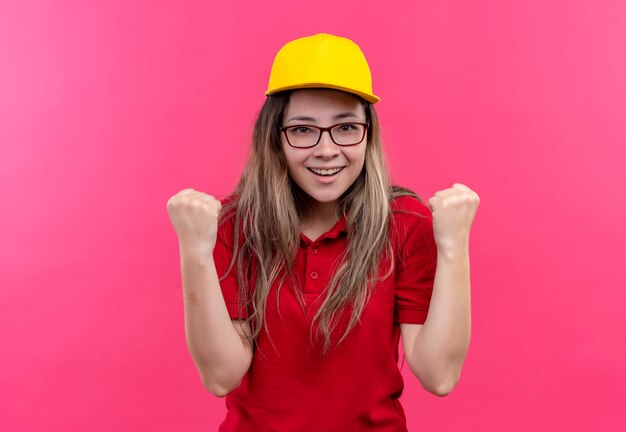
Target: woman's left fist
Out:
[453,212]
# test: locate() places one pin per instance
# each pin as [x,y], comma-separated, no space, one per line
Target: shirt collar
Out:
[339,229]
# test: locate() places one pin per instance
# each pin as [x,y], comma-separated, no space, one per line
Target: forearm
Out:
[220,355]
[442,343]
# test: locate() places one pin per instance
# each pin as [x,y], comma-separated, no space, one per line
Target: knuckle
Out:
[196,203]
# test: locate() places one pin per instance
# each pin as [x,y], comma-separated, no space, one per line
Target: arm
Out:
[436,350]
[221,356]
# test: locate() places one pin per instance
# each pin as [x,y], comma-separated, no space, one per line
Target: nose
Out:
[326,147]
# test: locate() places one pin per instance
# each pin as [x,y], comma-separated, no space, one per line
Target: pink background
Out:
[109,108]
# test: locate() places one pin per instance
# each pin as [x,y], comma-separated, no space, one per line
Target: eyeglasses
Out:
[342,134]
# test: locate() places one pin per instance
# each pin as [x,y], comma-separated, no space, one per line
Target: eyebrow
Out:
[336,117]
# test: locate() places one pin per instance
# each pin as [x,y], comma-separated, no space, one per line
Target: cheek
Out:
[295,160]
[289,156]
[357,157]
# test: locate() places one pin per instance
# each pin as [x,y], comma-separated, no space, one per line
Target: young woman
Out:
[299,285]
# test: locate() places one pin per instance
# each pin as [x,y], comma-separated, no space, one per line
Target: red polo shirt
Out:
[289,386]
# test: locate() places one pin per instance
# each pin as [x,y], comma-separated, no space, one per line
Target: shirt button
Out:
[314,251]
[314,275]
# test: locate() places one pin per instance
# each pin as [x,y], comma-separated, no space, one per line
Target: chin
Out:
[324,198]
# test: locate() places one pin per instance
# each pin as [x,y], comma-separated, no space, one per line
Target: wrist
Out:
[196,252]
[453,251]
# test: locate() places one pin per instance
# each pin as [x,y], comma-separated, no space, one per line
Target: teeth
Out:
[326,172]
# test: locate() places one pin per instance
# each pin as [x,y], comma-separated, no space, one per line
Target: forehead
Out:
[322,103]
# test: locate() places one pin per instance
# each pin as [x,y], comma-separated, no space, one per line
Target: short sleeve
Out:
[415,260]
[222,256]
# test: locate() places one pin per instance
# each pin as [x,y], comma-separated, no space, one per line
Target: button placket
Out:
[312,267]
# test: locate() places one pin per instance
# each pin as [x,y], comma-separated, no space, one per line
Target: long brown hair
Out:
[268,206]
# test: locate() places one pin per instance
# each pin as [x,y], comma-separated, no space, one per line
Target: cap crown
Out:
[325,61]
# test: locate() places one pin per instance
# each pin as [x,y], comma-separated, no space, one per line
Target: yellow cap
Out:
[324,61]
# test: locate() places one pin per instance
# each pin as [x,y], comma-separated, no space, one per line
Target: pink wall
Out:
[109,108]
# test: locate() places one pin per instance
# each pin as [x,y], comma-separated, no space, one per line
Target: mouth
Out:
[325,172]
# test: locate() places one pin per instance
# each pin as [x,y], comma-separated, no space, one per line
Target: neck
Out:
[321,214]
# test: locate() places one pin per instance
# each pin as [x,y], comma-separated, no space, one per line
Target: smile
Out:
[325,172]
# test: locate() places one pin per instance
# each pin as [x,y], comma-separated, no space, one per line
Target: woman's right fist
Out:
[194,215]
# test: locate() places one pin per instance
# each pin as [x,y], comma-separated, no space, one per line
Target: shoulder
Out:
[230,205]
[231,200]
[410,217]
[227,218]
[406,202]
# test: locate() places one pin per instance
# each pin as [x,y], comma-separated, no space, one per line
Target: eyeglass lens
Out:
[341,134]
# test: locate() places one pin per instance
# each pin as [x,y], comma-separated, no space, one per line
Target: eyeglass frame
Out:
[325,129]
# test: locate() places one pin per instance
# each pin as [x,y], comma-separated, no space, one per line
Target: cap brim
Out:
[368,97]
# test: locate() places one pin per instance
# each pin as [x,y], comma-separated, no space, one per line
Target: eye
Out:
[347,127]
[300,130]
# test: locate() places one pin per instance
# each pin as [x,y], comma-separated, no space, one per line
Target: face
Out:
[327,170]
